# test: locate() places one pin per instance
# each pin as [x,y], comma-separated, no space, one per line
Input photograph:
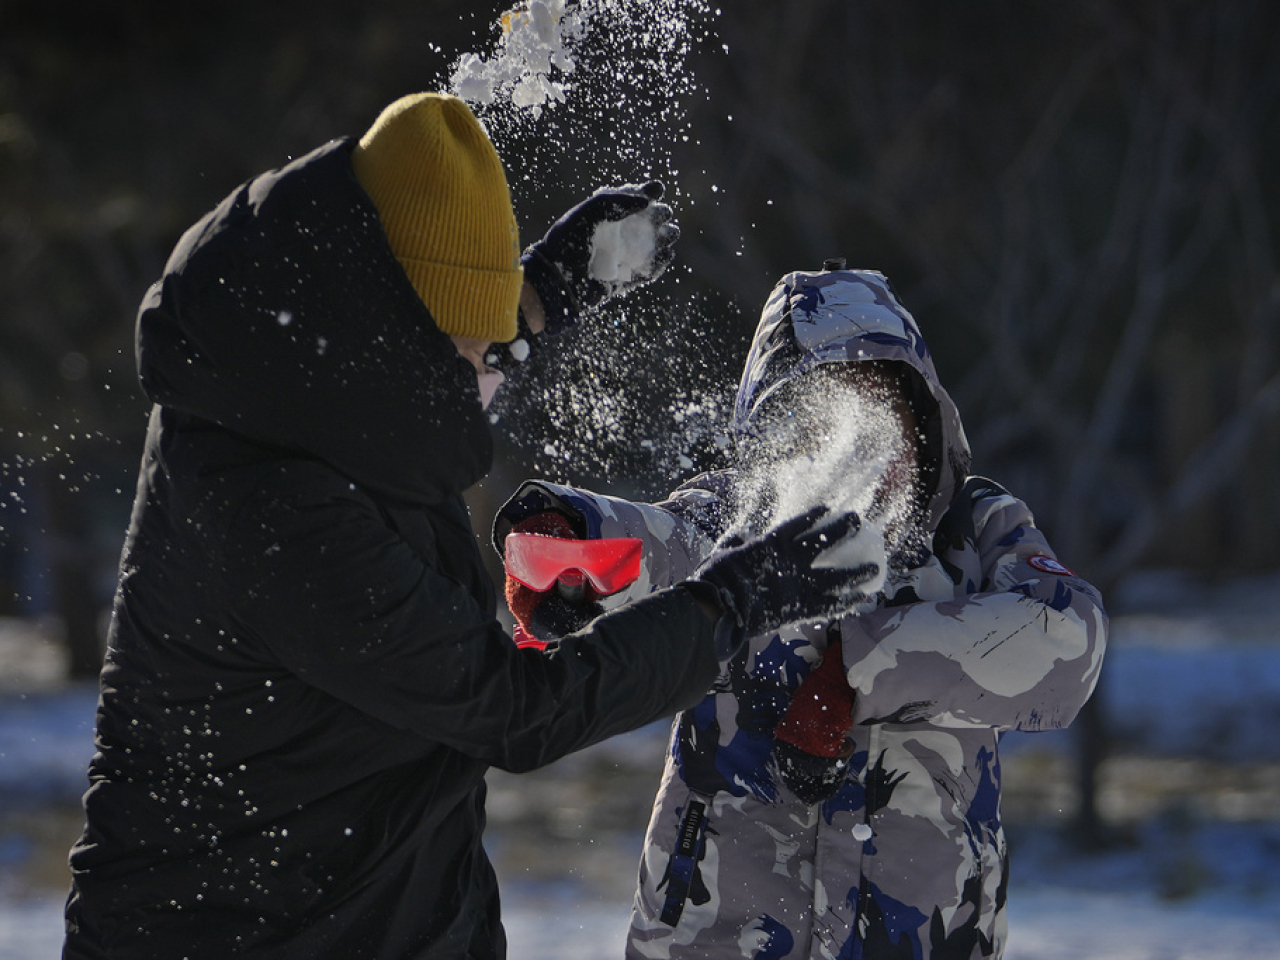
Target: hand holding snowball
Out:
[617,239]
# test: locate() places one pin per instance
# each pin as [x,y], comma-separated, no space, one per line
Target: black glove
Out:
[769,582]
[811,778]
[560,264]
[559,616]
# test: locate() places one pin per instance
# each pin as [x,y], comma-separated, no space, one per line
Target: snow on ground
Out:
[1065,924]
[1076,924]
[1192,687]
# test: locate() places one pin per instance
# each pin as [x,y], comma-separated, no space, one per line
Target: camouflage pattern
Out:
[983,632]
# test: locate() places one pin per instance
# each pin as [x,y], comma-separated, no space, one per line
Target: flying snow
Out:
[564,73]
[532,51]
[836,447]
[558,79]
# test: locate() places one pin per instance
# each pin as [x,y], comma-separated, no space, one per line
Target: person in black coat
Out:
[305,680]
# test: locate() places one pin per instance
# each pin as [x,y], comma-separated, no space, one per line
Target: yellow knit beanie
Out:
[442,196]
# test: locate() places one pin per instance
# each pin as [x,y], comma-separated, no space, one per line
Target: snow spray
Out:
[563,73]
[840,447]
[533,52]
[633,390]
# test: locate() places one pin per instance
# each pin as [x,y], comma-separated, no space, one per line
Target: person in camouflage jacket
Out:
[836,794]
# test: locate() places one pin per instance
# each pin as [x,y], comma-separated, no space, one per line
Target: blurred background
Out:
[1077,201]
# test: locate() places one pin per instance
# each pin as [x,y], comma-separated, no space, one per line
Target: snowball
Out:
[623,250]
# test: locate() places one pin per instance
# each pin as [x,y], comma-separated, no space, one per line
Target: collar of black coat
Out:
[284,316]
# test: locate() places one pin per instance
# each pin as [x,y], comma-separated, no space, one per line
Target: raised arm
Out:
[1023,652]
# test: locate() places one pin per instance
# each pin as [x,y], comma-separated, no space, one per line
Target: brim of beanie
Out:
[466,302]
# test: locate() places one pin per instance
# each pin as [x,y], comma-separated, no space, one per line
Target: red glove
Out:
[821,710]
[524,601]
[810,748]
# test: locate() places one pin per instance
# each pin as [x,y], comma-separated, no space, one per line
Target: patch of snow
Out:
[1067,924]
[46,740]
[1187,699]
[1181,889]
[30,928]
[1045,924]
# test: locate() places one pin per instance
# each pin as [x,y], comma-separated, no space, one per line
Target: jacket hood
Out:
[284,317]
[851,316]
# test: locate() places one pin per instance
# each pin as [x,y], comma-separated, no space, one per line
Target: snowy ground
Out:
[1192,685]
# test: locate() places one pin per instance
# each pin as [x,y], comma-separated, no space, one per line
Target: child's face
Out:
[815,409]
[844,435]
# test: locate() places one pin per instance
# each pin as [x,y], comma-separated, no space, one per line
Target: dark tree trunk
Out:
[1092,742]
[74,596]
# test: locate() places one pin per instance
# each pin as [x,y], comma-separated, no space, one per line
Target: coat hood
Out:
[850,316]
[284,317]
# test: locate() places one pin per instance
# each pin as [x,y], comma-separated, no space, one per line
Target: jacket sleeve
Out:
[344,603]
[675,538]
[1021,652]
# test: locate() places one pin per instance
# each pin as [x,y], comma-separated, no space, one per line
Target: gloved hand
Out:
[545,616]
[811,749]
[769,582]
[615,240]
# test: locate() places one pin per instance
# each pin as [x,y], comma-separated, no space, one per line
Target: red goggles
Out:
[539,562]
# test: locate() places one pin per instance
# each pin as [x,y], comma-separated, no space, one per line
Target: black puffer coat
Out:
[305,682]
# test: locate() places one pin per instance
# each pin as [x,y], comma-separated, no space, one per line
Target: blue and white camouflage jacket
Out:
[981,632]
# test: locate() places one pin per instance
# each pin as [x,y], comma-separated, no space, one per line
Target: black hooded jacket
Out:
[304,681]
